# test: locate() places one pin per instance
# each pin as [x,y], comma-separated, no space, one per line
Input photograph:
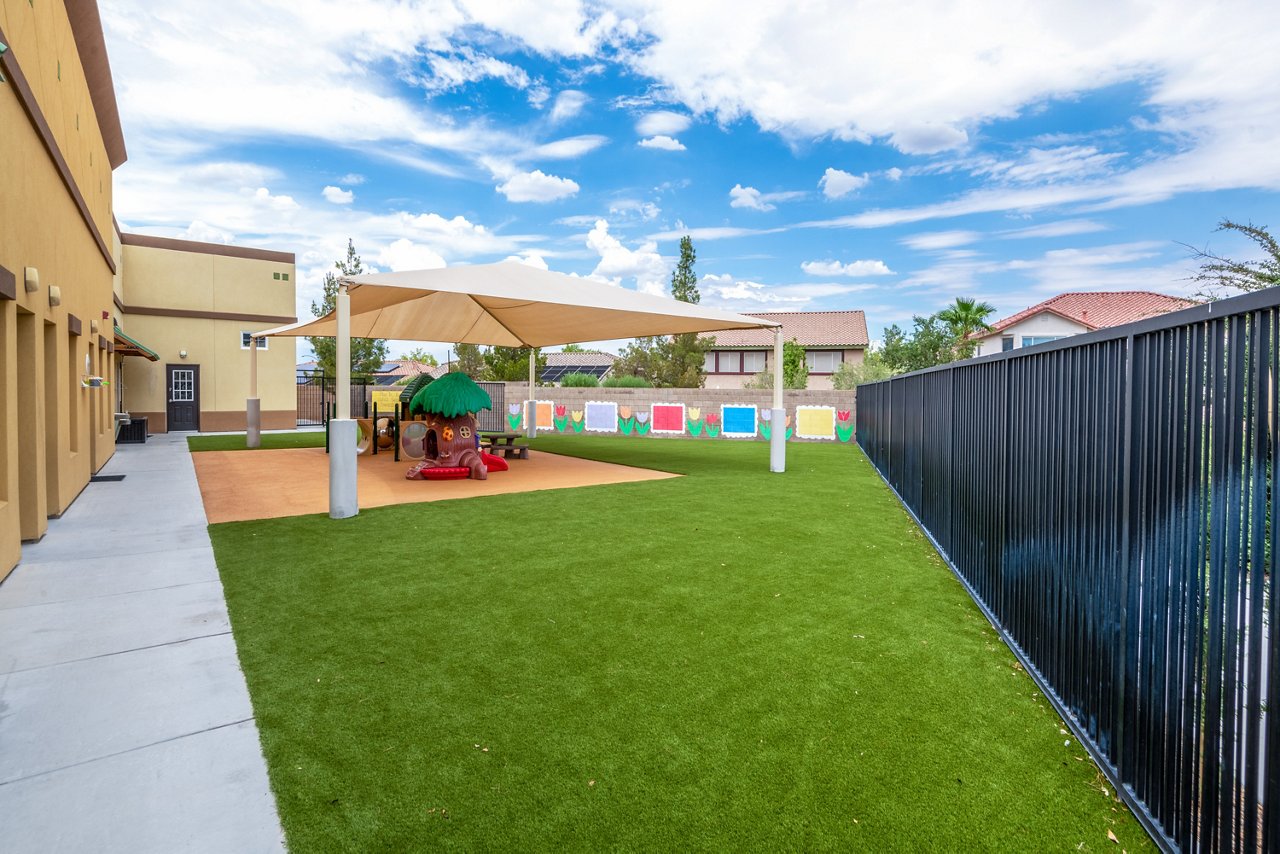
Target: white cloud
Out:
[928,138]
[726,291]
[711,233]
[233,175]
[282,204]
[663,143]
[635,208]
[662,123]
[869,267]
[202,232]
[453,71]
[533,259]
[566,149]
[537,187]
[404,254]
[893,173]
[836,183]
[568,104]
[351,179]
[617,262]
[935,240]
[747,197]
[1063,228]
[338,196]
[750,197]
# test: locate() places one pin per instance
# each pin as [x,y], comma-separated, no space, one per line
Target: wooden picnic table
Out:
[506,443]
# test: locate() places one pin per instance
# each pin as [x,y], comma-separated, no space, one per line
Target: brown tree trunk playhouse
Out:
[451,440]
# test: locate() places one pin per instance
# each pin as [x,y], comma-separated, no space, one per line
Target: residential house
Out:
[829,339]
[1074,313]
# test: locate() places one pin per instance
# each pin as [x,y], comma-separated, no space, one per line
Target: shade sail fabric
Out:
[509,304]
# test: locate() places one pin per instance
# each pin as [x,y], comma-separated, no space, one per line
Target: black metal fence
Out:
[317,393]
[1108,501]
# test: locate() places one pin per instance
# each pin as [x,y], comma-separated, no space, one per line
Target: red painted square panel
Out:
[668,418]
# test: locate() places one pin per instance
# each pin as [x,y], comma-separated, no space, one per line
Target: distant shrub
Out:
[576,380]
[627,382]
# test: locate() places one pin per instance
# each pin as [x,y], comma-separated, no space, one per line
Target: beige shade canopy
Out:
[509,304]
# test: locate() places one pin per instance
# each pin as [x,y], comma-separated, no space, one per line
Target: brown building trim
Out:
[74,325]
[29,104]
[8,284]
[150,242]
[111,346]
[86,28]
[115,298]
[102,343]
[221,421]
[208,315]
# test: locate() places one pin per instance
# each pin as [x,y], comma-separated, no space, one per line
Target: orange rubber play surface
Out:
[241,485]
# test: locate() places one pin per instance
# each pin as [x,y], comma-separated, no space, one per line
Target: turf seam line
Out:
[119,652]
[123,752]
[19,608]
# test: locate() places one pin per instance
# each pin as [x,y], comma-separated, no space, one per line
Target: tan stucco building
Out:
[66,282]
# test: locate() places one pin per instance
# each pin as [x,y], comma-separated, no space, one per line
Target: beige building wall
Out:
[818,382]
[55,218]
[1044,324]
[194,298]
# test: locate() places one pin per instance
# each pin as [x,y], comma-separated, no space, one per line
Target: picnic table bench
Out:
[506,443]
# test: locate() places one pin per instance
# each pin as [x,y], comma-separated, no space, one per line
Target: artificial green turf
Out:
[235,441]
[724,661]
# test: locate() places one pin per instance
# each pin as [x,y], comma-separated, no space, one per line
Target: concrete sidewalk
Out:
[125,722]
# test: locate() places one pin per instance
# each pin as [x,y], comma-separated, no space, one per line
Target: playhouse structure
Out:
[450,442]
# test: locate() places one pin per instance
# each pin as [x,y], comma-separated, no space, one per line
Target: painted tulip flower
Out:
[577,414]
[713,419]
[842,415]
[642,417]
[694,413]
[514,408]
[624,412]
[766,414]
[560,410]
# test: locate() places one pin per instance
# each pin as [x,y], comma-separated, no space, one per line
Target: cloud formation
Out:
[836,183]
[537,187]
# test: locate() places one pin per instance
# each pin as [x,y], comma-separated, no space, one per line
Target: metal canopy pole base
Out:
[253,417]
[343,502]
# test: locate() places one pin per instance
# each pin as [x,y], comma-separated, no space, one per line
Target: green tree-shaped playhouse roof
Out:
[452,395]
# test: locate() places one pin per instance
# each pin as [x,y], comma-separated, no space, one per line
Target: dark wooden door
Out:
[184,397]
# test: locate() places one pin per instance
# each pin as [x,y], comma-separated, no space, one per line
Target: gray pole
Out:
[778,415]
[253,406]
[343,501]
[531,416]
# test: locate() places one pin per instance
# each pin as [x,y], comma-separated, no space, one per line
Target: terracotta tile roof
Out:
[1098,309]
[808,328]
[590,358]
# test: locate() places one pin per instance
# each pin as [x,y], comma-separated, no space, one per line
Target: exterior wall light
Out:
[182,354]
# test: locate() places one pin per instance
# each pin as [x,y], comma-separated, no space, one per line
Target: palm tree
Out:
[965,317]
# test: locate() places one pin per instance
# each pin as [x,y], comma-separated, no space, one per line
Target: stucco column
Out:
[253,406]
[778,416]
[531,405]
[343,501]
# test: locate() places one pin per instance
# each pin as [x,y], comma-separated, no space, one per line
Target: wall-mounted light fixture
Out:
[182,354]
[55,296]
[31,279]
[93,326]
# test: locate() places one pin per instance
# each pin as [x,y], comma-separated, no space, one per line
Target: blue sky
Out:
[842,155]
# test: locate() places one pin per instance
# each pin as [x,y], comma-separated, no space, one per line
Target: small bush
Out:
[627,382]
[576,380]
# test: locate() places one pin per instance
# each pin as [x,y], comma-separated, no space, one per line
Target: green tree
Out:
[1219,276]
[467,359]
[510,364]
[930,343]
[871,369]
[367,354]
[421,356]
[795,369]
[572,348]
[963,318]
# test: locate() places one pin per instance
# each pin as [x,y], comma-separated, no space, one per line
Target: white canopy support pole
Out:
[531,406]
[343,502]
[253,406]
[778,417]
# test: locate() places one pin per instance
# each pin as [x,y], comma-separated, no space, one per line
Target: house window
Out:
[1006,343]
[244,341]
[1033,340]
[730,362]
[709,363]
[753,362]
[823,361]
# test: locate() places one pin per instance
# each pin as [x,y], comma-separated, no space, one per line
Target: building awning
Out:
[126,346]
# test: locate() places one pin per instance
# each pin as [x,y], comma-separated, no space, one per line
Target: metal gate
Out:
[317,396]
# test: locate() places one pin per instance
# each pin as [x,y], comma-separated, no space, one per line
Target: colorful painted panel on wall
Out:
[844,425]
[815,422]
[545,415]
[668,417]
[602,416]
[629,422]
[386,401]
[739,421]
